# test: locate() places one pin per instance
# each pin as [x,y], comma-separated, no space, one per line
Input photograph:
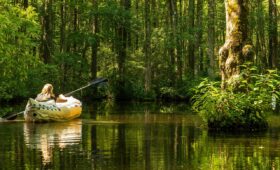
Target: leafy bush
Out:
[243,105]
[19,31]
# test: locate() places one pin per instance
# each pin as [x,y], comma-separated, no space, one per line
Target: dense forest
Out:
[148,49]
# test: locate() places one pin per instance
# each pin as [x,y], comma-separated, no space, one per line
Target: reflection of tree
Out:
[128,140]
[121,149]
[236,151]
[147,142]
[46,136]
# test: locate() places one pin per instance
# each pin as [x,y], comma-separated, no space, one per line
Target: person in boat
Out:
[47,94]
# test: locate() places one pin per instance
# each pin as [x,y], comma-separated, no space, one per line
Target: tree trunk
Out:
[199,32]
[47,33]
[137,18]
[191,43]
[95,45]
[273,34]
[25,4]
[75,25]
[261,52]
[235,51]
[172,45]
[62,26]
[179,42]
[121,44]
[147,47]
[211,38]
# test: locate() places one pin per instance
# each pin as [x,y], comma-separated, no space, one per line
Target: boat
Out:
[52,111]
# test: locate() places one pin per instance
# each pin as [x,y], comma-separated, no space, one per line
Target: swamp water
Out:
[135,136]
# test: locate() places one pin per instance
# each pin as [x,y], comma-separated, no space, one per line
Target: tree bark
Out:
[137,18]
[273,34]
[172,40]
[25,4]
[47,31]
[211,38]
[147,47]
[261,51]
[62,26]
[191,44]
[235,51]
[180,43]
[199,32]
[75,25]
[95,45]
[121,44]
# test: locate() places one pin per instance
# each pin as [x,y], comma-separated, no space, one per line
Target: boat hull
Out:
[51,111]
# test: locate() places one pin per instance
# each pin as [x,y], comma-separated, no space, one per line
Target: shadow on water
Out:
[135,136]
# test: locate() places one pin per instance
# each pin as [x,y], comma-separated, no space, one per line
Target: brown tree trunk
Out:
[137,18]
[94,47]
[62,26]
[261,51]
[47,33]
[171,48]
[191,43]
[147,47]
[25,4]
[273,35]
[121,47]
[211,38]
[199,32]
[179,42]
[75,25]
[235,51]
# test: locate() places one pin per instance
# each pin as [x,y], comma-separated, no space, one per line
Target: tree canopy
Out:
[147,49]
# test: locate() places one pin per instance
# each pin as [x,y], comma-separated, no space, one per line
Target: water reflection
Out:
[135,137]
[45,136]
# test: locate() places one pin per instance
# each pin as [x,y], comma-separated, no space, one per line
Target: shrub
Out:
[242,106]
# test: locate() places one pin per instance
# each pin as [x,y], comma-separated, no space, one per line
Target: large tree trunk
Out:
[235,51]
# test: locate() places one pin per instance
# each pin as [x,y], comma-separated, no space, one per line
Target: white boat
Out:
[52,111]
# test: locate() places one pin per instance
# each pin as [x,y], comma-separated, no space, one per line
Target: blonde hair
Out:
[48,90]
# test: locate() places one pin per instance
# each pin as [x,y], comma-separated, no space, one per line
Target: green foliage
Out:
[144,34]
[244,105]
[168,92]
[19,31]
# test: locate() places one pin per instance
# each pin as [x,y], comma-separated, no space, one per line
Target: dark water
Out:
[135,136]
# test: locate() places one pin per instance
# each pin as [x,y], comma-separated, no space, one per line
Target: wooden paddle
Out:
[9,116]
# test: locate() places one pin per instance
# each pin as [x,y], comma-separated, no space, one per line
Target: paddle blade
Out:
[94,82]
[10,116]
[98,80]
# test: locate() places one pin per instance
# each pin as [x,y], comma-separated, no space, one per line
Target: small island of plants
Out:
[244,105]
